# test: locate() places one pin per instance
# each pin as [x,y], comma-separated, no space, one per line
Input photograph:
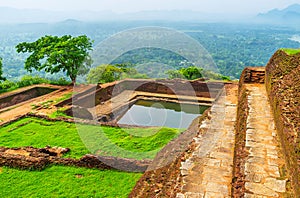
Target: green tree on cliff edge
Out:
[54,54]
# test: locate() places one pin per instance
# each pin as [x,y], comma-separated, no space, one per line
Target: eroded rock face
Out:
[24,158]
[38,159]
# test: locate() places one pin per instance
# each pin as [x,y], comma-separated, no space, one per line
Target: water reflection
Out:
[151,113]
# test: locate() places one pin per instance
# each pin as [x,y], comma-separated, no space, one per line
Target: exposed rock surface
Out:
[38,159]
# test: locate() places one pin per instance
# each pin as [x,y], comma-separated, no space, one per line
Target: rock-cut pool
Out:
[167,114]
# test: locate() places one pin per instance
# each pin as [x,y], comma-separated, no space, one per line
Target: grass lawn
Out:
[291,51]
[60,181]
[136,143]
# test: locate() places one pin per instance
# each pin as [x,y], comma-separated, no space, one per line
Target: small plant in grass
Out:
[47,104]
[60,113]
[34,106]
[43,105]
[64,97]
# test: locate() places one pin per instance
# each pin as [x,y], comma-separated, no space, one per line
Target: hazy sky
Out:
[121,6]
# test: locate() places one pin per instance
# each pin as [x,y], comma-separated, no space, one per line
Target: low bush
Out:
[25,81]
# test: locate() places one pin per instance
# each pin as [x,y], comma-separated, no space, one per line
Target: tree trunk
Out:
[73,78]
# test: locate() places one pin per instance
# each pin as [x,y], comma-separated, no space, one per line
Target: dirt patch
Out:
[17,152]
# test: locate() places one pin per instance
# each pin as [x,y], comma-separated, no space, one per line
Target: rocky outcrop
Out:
[30,158]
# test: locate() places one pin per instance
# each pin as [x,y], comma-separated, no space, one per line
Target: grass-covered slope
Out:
[136,143]
[291,51]
[59,181]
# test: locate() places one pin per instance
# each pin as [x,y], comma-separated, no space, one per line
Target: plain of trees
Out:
[68,54]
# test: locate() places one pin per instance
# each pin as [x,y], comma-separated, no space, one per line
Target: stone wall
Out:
[16,98]
[253,75]
[172,87]
[240,153]
[283,87]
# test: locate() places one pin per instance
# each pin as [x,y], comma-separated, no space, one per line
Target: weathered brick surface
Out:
[283,87]
[253,75]
[240,152]
[173,87]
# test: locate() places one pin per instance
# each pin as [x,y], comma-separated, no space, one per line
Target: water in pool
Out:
[152,113]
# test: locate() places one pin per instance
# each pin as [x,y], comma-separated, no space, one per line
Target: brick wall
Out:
[283,87]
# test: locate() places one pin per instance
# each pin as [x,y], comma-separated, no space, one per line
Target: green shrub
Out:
[7,85]
[27,80]
[31,80]
[60,81]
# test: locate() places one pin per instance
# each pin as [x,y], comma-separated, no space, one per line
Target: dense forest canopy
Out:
[232,46]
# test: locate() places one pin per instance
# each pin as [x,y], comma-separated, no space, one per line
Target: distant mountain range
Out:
[289,15]
[13,15]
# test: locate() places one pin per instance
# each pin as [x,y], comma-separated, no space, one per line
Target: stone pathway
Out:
[263,162]
[208,172]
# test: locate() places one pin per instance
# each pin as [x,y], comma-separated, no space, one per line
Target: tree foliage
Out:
[1,72]
[193,72]
[104,74]
[110,73]
[189,73]
[54,54]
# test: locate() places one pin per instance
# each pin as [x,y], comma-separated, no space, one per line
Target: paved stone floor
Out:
[208,172]
[263,163]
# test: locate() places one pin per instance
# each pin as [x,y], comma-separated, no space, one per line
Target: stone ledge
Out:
[38,159]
